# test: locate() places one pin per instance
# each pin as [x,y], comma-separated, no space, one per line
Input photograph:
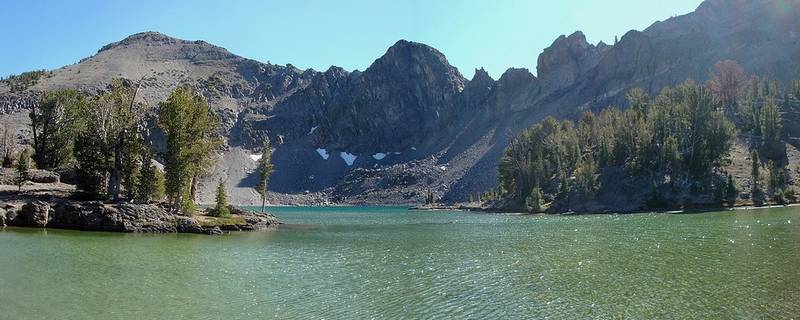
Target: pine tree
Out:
[189,124]
[534,202]
[146,183]
[55,120]
[91,152]
[23,168]
[638,100]
[755,172]
[221,209]
[158,190]
[265,169]
[732,192]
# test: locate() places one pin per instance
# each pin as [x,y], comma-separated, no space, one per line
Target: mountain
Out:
[411,122]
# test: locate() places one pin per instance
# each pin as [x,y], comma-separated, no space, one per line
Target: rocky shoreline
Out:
[126,217]
[472,207]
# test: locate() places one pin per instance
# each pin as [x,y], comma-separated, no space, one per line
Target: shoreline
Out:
[697,210]
[126,218]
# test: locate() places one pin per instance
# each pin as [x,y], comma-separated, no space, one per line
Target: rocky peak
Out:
[416,61]
[335,72]
[477,89]
[144,38]
[158,45]
[481,77]
[566,60]
[514,76]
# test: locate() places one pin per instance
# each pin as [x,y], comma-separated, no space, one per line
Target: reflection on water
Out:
[390,262]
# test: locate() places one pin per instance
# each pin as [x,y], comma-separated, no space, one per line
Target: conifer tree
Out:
[146,184]
[23,168]
[265,169]
[534,202]
[221,209]
[188,124]
[55,120]
[755,172]
[732,192]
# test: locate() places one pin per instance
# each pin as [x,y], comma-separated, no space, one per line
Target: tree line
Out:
[102,140]
[679,140]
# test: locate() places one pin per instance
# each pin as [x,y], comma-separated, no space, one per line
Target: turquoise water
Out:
[355,263]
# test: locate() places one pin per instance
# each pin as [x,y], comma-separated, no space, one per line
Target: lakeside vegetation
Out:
[101,142]
[673,148]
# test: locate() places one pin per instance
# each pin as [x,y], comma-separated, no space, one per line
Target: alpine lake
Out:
[390,262]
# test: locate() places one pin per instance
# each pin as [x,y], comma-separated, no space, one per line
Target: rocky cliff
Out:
[411,122]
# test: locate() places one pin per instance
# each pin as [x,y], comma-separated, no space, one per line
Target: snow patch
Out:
[348,157]
[255,157]
[379,156]
[443,168]
[323,153]
[414,148]
[310,132]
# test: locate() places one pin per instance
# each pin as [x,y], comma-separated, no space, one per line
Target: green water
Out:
[355,263]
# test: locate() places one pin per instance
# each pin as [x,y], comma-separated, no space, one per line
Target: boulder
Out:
[146,218]
[35,214]
[12,217]
[254,220]
[9,176]
[2,217]
[83,216]
[188,225]
[44,176]
[98,216]
[213,231]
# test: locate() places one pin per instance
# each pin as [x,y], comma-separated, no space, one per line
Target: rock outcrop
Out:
[35,214]
[566,61]
[137,218]
[8,176]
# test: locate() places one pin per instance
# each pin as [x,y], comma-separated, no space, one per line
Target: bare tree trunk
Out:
[178,205]
[193,189]
[263,203]
[116,172]
[33,128]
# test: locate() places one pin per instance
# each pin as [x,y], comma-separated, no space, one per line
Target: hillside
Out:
[411,122]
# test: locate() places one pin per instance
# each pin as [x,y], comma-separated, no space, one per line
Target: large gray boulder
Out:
[35,214]
[255,220]
[97,216]
[9,176]
[188,225]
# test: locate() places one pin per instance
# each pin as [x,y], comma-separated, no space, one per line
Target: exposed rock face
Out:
[35,214]
[514,91]
[412,107]
[17,102]
[139,218]
[566,61]
[403,97]
[8,176]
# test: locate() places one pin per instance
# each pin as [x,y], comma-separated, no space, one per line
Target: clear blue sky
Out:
[46,34]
